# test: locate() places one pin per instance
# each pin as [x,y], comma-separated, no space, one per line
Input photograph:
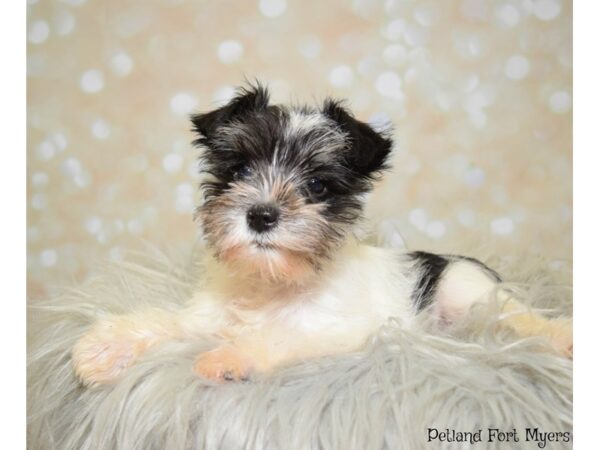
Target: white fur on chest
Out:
[359,293]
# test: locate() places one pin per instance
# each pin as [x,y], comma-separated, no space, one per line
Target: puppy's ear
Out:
[369,150]
[247,100]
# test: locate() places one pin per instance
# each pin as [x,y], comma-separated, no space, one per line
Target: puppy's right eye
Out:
[316,186]
[242,172]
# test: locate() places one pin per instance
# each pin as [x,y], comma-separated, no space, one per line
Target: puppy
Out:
[285,278]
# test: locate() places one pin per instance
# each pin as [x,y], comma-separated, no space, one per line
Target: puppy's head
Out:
[283,185]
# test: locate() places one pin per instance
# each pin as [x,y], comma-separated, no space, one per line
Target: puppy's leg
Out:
[450,285]
[116,342]
[271,347]
[527,323]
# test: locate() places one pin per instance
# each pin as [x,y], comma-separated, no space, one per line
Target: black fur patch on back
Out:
[430,267]
[491,272]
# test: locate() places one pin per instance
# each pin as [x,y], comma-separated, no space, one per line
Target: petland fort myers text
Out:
[486,435]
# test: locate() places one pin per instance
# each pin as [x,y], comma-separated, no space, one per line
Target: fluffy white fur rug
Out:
[386,397]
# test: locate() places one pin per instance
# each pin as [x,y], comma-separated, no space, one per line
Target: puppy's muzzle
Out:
[262,218]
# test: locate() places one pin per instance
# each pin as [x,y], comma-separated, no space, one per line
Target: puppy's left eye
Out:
[316,186]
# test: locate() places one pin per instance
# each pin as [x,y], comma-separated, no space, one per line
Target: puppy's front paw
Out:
[104,352]
[560,333]
[223,364]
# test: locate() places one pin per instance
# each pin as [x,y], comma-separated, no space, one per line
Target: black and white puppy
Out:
[285,278]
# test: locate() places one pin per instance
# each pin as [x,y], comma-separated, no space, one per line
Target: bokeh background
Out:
[478,91]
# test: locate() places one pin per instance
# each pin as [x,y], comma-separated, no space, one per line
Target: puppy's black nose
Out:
[262,217]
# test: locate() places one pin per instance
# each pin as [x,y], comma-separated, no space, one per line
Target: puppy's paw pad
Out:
[101,355]
[223,364]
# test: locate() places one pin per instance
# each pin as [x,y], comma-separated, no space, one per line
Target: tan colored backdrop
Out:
[479,92]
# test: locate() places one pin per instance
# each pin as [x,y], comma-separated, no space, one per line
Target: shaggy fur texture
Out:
[385,397]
